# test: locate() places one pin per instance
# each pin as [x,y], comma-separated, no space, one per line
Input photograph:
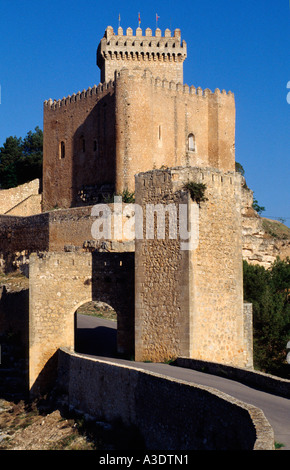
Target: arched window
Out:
[62,149]
[191,143]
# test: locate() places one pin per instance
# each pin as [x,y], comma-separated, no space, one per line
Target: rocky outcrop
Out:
[263,239]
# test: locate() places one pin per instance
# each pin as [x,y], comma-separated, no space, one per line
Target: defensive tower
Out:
[162,55]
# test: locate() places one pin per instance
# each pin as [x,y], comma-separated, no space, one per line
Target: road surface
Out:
[97,337]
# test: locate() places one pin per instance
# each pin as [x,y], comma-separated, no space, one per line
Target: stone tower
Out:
[162,55]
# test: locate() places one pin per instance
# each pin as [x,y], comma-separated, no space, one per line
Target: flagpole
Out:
[157,18]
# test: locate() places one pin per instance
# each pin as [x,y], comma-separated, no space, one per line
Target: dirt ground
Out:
[34,426]
[25,427]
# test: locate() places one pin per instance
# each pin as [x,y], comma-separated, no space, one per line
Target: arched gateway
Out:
[60,283]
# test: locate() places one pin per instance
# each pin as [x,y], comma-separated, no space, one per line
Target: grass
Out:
[276,229]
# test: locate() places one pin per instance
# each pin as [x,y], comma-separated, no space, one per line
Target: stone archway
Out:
[58,284]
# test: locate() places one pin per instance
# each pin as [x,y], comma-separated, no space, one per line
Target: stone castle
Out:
[139,118]
[141,129]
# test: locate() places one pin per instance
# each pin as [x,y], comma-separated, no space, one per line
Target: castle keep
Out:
[140,117]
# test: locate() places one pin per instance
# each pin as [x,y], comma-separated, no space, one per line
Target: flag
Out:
[157,18]
[139,19]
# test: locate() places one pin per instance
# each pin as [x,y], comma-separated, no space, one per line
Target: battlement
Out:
[172,85]
[116,50]
[99,91]
[103,88]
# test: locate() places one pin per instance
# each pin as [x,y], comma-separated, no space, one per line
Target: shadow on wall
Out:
[94,152]
[14,341]
[42,386]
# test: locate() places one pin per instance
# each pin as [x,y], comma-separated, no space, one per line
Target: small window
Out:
[82,144]
[62,149]
[95,146]
[160,133]
[191,143]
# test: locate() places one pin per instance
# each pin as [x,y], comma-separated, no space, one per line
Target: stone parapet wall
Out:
[169,413]
[259,380]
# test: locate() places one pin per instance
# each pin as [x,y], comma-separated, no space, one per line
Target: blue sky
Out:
[48,50]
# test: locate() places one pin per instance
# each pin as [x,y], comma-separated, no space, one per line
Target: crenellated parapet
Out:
[102,89]
[171,85]
[156,51]
[97,91]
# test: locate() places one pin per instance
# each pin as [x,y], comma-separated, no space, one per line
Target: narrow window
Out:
[191,143]
[62,149]
[82,144]
[95,146]
[159,133]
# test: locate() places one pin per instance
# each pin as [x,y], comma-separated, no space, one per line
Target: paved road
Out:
[97,337]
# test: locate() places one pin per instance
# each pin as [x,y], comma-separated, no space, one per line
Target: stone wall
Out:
[190,302]
[170,414]
[29,206]
[78,145]
[59,230]
[23,200]
[24,233]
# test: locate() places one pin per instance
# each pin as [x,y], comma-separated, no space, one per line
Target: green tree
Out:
[257,207]
[268,291]
[21,159]
[29,165]
[9,154]
[240,168]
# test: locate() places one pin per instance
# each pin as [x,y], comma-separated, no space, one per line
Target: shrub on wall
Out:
[196,191]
